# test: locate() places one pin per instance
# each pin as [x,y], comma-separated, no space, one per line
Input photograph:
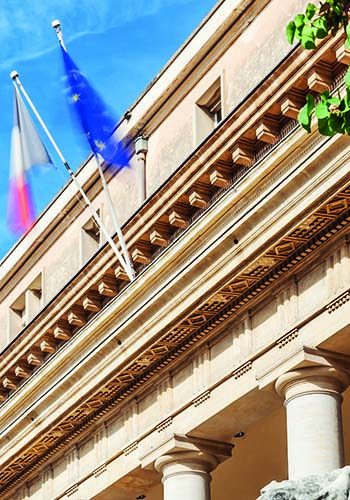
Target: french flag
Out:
[27,150]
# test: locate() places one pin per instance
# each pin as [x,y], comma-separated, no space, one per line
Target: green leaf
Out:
[334,100]
[322,111]
[290,32]
[346,123]
[348,33]
[310,10]
[336,123]
[321,27]
[308,37]
[337,9]
[344,105]
[298,32]
[299,20]
[345,102]
[324,96]
[305,114]
[347,78]
[324,127]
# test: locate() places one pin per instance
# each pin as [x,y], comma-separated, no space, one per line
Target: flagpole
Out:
[114,216]
[57,27]
[15,77]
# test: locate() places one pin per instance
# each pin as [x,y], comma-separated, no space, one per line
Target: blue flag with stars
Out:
[96,121]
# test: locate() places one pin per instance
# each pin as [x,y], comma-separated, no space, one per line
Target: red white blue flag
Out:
[27,150]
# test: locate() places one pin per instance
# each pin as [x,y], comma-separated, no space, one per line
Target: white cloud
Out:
[25,25]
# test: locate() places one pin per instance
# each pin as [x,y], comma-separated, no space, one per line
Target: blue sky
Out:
[119,45]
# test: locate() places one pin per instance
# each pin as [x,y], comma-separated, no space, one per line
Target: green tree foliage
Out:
[331,112]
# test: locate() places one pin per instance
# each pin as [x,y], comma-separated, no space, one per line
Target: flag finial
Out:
[56,24]
[14,74]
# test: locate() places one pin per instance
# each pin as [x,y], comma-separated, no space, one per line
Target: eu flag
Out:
[96,121]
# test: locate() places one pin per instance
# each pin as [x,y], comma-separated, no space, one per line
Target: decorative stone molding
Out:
[292,73]
[242,370]
[100,470]
[186,474]
[286,339]
[323,363]
[201,398]
[72,490]
[165,424]
[131,448]
[338,302]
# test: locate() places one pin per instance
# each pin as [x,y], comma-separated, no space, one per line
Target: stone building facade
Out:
[224,365]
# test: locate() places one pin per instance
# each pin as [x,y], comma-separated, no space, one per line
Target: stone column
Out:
[185,463]
[186,475]
[314,423]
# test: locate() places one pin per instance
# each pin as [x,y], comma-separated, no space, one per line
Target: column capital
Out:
[312,379]
[182,462]
[186,463]
[188,448]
